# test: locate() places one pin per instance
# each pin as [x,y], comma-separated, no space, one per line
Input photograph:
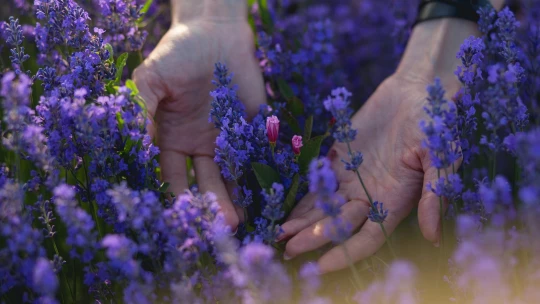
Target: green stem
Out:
[360,179]
[62,270]
[94,213]
[387,239]
[494,166]
[355,273]
[140,55]
[74,281]
[90,203]
[441,210]
[17,166]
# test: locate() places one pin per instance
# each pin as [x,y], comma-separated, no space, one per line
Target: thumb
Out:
[429,207]
[151,90]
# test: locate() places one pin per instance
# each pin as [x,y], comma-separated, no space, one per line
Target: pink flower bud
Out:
[272,128]
[297,144]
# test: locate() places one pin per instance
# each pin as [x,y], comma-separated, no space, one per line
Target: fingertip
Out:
[429,218]
[293,248]
[332,261]
[209,179]
[289,229]
[232,220]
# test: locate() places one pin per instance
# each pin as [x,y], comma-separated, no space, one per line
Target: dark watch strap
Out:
[462,9]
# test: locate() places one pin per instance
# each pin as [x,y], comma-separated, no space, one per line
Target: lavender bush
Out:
[84,216]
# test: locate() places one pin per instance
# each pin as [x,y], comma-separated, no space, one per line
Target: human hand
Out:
[175,81]
[396,168]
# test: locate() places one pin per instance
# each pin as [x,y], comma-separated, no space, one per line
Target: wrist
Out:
[184,11]
[432,48]
[431,51]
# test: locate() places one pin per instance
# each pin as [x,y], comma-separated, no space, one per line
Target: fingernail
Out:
[436,244]
[235,232]
[280,238]
[286,257]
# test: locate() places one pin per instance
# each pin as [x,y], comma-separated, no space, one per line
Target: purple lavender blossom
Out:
[528,153]
[311,282]
[22,243]
[471,55]
[268,278]
[15,40]
[65,24]
[338,104]
[356,160]
[323,183]
[498,201]
[450,187]
[119,21]
[120,251]
[377,213]
[441,131]
[81,235]
[274,201]
[397,287]
[507,24]
[45,280]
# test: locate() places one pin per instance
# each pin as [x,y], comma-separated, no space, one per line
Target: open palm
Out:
[395,170]
[175,81]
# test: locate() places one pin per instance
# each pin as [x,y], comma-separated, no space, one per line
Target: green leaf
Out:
[132,86]
[265,15]
[265,174]
[110,88]
[288,204]
[144,10]
[293,123]
[129,144]
[120,64]
[285,89]
[163,188]
[109,48]
[120,120]
[308,126]
[294,104]
[309,151]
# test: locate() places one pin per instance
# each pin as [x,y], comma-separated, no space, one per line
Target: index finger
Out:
[360,246]
[209,179]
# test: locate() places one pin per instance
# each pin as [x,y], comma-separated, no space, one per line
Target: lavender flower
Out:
[527,147]
[311,282]
[441,131]
[65,24]
[120,251]
[45,280]
[274,201]
[507,24]
[470,54]
[377,213]
[15,40]
[258,269]
[323,183]
[450,187]
[119,21]
[497,200]
[22,248]
[397,287]
[81,235]
[356,160]
[16,94]
[338,104]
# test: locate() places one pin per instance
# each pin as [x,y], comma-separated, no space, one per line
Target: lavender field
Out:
[305,151]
